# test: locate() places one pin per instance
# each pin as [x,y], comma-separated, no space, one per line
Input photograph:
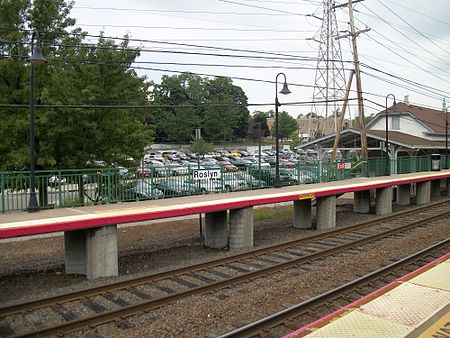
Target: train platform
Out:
[90,233]
[62,219]
[415,305]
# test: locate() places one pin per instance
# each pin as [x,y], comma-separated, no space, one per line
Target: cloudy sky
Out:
[405,52]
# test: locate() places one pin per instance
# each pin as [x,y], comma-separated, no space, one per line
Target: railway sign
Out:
[306,196]
[198,174]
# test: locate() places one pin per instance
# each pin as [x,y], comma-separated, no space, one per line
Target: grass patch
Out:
[277,211]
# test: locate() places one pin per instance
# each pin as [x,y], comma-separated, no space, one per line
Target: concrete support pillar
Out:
[302,214]
[75,252]
[241,228]
[361,202]
[423,190]
[383,202]
[326,212]
[404,194]
[92,252]
[216,229]
[435,187]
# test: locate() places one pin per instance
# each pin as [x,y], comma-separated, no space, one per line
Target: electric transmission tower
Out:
[330,78]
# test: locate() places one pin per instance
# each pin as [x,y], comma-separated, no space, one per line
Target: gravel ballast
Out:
[32,269]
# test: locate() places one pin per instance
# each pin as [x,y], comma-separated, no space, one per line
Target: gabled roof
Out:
[432,118]
[407,140]
[351,137]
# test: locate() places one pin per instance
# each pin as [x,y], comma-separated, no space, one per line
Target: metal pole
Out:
[446,138]
[32,204]
[277,145]
[387,170]
[198,136]
[259,153]
[284,91]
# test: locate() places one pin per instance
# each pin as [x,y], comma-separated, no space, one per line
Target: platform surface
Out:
[16,224]
[415,305]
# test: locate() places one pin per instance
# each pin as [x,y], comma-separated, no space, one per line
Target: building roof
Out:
[407,140]
[432,118]
[350,138]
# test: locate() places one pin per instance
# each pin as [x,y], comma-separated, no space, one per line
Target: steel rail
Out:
[145,306]
[252,329]
[6,311]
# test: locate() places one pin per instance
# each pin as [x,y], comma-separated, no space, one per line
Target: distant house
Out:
[314,126]
[412,131]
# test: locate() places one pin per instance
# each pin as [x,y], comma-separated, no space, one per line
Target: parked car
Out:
[268,176]
[180,168]
[251,182]
[242,163]
[154,168]
[204,185]
[142,191]
[175,187]
[227,166]
[55,180]
[233,181]
[305,175]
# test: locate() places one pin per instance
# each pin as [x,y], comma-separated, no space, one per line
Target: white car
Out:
[53,180]
[205,185]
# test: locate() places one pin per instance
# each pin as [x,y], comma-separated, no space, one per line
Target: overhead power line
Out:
[410,8]
[200,28]
[260,7]
[415,29]
[412,40]
[176,11]
[153,106]
[281,56]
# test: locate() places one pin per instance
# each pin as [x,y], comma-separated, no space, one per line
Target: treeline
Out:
[80,73]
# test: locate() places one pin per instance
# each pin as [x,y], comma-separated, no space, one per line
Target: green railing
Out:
[79,187]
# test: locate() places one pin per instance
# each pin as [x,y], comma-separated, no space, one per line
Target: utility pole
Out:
[362,125]
[354,35]
[341,117]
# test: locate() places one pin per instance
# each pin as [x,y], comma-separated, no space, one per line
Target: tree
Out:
[201,147]
[112,135]
[207,97]
[259,120]
[177,124]
[225,123]
[312,114]
[286,125]
[295,140]
[16,16]
[77,73]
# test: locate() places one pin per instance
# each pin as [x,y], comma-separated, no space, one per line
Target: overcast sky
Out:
[408,39]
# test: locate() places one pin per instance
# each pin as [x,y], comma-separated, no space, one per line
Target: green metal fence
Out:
[73,187]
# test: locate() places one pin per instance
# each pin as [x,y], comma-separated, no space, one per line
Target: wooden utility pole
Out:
[362,126]
[341,118]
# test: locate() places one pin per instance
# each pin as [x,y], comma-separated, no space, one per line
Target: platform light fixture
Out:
[387,169]
[36,58]
[285,90]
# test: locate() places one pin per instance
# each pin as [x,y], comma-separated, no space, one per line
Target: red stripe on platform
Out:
[305,330]
[183,211]
[142,216]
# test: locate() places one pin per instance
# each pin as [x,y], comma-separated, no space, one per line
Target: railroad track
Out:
[115,302]
[294,317]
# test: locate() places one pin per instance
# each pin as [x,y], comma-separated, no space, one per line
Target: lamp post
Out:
[387,170]
[446,137]
[36,58]
[284,91]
